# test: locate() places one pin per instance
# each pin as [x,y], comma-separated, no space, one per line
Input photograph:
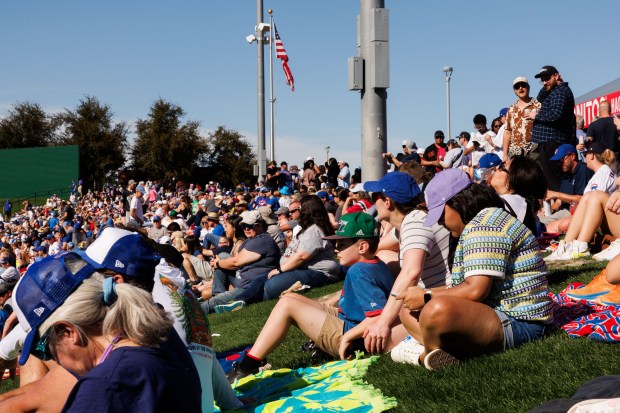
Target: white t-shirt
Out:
[434,240]
[603,180]
[137,205]
[498,140]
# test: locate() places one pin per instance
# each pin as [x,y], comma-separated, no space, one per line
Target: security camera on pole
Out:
[369,73]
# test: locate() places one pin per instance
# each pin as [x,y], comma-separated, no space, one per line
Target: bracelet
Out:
[394,294]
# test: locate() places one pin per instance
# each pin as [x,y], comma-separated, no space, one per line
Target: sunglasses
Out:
[502,167]
[293,210]
[520,85]
[41,349]
[376,196]
[247,226]
[342,245]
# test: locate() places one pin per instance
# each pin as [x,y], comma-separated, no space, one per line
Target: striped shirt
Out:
[496,244]
[434,240]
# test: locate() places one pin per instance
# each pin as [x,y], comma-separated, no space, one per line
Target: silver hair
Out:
[133,315]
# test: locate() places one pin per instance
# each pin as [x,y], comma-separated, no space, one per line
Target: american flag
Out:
[281,54]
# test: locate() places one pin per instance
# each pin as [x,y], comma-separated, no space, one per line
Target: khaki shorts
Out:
[202,267]
[331,331]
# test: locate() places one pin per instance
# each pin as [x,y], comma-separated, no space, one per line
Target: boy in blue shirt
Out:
[335,330]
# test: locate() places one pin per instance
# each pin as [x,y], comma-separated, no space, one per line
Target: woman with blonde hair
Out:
[112,336]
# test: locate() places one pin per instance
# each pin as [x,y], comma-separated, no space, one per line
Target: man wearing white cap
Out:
[518,127]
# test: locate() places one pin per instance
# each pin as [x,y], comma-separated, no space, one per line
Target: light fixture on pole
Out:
[327,148]
[447,70]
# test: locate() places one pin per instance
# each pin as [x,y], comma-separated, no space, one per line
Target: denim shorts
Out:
[517,332]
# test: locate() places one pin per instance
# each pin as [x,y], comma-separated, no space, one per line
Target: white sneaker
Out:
[408,351]
[609,253]
[561,252]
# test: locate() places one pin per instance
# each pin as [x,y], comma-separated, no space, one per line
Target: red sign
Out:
[589,109]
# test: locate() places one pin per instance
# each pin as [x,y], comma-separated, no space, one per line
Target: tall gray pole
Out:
[272,99]
[262,166]
[373,49]
[448,72]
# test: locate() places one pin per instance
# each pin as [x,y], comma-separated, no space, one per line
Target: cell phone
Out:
[617,115]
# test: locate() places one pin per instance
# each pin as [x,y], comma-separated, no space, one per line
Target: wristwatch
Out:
[427,296]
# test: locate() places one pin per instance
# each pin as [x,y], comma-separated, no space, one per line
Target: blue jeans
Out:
[281,282]
[209,240]
[517,332]
[250,293]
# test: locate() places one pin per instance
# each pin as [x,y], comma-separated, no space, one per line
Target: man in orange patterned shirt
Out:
[518,134]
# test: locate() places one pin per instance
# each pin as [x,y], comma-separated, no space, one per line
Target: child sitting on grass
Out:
[336,331]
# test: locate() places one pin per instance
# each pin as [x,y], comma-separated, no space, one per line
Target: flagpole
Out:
[272,99]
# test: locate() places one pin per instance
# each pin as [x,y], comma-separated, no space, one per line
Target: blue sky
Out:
[194,53]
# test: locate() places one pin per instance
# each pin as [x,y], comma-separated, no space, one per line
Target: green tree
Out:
[230,157]
[102,141]
[26,126]
[166,148]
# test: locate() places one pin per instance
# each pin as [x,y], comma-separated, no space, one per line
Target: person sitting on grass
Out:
[335,330]
[498,299]
[246,271]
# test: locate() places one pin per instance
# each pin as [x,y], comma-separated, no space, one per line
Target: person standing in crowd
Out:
[285,178]
[410,154]
[554,123]
[273,175]
[454,156]
[344,176]
[434,154]
[8,206]
[136,213]
[332,171]
[603,129]
[518,131]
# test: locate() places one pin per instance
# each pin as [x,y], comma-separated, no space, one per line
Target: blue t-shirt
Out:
[575,182]
[4,314]
[140,379]
[53,222]
[365,292]
[218,230]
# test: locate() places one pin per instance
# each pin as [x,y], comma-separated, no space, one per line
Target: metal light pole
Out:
[272,99]
[260,57]
[369,73]
[448,72]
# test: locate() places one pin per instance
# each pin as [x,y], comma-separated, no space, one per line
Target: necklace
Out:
[109,348]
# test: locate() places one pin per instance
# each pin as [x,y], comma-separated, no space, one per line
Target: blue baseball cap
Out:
[122,251]
[399,186]
[562,151]
[489,160]
[321,194]
[41,290]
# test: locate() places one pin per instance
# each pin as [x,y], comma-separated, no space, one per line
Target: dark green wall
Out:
[26,171]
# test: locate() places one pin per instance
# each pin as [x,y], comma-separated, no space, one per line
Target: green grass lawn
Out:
[515,381]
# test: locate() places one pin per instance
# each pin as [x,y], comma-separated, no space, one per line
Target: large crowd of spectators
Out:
[441,259]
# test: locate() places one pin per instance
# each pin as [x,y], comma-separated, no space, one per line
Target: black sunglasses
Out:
[376,196]
[520,85]
[342,245]
[247,226]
